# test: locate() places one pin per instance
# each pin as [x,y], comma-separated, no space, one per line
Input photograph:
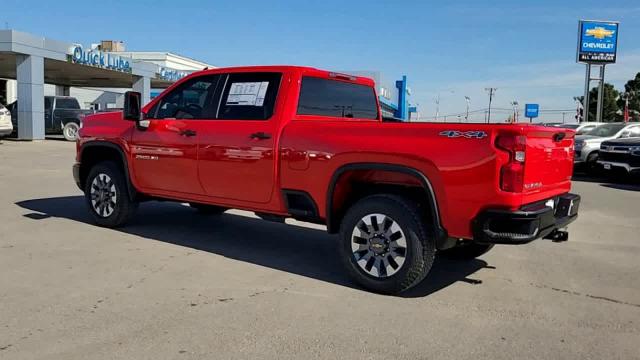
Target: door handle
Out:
[260,136]
[187,133]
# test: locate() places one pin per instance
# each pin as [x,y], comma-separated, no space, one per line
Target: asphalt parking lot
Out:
[178,285]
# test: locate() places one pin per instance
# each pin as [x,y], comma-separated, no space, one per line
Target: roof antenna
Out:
[206,68]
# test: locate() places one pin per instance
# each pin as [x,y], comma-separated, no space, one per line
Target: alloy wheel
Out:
[379,245]
[103,195]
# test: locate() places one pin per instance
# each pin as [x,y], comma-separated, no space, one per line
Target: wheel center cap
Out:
[378,245]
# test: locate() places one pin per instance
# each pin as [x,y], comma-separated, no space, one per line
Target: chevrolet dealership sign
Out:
[597,42]
[101,59]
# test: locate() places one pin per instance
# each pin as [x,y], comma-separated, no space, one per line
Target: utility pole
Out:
[468,100]
[491,92]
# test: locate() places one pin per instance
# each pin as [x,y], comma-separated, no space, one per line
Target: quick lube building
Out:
[32,67]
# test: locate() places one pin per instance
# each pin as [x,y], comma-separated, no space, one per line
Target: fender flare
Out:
[133,192]
[440,232]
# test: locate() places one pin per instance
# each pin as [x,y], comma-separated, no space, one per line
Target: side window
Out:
[325,97]
[249,96]
[65,103]
[190,100]
[47,103]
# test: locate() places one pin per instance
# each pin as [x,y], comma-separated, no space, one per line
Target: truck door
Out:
[237,150]
[165,154]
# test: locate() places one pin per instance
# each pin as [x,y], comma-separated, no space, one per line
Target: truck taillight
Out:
[512,173]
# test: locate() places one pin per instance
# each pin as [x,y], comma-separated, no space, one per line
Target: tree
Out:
[632,87]
[609,105]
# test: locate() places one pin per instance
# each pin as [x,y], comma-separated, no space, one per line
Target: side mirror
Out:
[132,106]
[625,134]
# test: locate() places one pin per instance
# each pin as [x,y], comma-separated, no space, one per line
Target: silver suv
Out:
[587,146]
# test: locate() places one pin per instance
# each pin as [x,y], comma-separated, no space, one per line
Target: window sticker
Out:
[247,93]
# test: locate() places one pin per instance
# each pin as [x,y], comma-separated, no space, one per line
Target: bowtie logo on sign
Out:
[600,33]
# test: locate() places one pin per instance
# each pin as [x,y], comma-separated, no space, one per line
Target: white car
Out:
[587,146]
[580,128]
[6,127]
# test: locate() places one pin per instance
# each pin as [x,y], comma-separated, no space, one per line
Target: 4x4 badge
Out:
[464,134]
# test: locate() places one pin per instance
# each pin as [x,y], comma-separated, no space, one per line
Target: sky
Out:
[525,49]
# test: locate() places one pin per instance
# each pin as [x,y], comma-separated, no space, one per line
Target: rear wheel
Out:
[70,131]
[385,245]
[107,196]
[467,250]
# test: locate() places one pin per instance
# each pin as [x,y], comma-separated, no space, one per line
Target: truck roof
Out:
[304,70]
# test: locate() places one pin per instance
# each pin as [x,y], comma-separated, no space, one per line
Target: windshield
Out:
[606,130]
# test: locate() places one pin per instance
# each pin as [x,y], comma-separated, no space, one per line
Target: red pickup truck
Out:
[303,143]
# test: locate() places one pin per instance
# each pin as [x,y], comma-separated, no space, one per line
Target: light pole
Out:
[437,99]
[468,100]
[491,91]
[514,103]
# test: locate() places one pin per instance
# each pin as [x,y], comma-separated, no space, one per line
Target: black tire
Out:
[122,208]
[467,250]
[419,250]
[205,209]
[592,167]
[70,131]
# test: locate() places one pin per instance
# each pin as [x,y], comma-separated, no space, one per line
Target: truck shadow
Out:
[294,249]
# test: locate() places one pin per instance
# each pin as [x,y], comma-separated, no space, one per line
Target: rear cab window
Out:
[337,99]
[66,103]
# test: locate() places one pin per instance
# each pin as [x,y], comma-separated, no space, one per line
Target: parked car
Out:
[309,144]
[579,128]
[587,146]
[621,154]
[62,115]
[6,127]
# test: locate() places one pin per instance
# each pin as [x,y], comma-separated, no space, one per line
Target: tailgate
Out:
[549,161]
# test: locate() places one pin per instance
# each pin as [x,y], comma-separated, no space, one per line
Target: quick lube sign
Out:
[597,41]
[101,59]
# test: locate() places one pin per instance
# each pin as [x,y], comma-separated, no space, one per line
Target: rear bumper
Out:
[531,222]
[6,129]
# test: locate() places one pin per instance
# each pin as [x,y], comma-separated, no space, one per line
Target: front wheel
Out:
[70,131]
[385,245]
[592,166]
[107,196]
